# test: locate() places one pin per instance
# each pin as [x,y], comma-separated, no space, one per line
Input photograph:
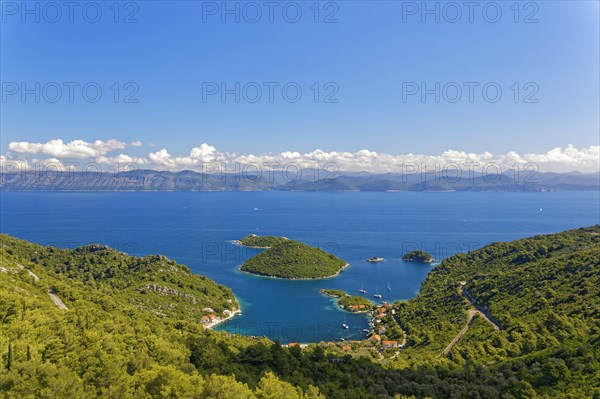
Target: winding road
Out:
[475,310]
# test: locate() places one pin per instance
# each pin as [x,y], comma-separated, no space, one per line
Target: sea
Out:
[199,229]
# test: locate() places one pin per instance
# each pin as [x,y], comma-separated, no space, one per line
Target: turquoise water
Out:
[196,229]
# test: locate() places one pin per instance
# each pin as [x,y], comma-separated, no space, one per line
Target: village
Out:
[211,319]
[385,336]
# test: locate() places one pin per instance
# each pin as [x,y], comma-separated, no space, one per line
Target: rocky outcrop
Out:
[162,290]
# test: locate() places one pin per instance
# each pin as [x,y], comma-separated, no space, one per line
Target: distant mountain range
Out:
[151,180]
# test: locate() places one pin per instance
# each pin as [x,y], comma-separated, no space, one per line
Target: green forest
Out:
[294,260]
[129,328]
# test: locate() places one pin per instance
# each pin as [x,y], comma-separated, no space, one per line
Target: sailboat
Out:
[362,290]
[377,294]
[389,288]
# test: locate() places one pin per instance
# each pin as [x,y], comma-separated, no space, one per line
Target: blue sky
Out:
[368,55]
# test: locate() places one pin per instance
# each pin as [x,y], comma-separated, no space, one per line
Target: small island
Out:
[418,256]
[255,241]
[350,303]
[292,259]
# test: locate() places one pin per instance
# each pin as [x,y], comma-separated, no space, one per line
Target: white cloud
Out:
[136,143]
[569,154]
[198,155]
[73,149]
[204,153]
[557,159]
[162,158]
[121,159]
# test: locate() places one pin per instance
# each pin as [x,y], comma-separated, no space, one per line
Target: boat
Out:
[389,288]
[344,325]
[377,294]
[374,259]
[366,330]
[362,290]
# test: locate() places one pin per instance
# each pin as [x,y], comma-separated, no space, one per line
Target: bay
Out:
[198,229]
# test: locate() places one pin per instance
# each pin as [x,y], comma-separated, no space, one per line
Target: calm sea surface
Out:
[196,229]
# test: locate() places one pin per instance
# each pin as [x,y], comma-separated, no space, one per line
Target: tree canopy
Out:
[115,340]
[294,260]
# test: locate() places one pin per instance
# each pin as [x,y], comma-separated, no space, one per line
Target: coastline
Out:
[328,295]
[222,320]
[239,269]
[420,260]
[239,243]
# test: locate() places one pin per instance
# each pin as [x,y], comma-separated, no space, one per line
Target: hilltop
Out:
[294,260]
[529,309]
[153,283]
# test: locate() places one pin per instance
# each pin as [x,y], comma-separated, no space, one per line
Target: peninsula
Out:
[350,303]
[419,256]
[292,259]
